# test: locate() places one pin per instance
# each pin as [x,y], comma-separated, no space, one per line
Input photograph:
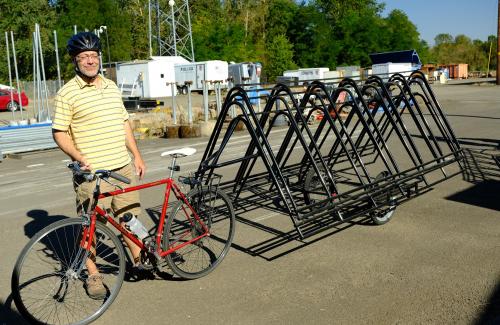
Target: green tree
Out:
[137,11]
[360,32]
[403,34]
[89,16]
[279,57]
[313,39]
[20,17]
[461,49]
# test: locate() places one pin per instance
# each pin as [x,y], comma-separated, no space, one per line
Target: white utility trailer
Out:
[385,70]
[198,72]
[147,78]
[306,75]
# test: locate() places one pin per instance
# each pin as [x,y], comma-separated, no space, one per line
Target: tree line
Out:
[281,34]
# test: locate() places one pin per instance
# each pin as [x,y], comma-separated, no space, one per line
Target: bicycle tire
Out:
[202,256]
[46,285]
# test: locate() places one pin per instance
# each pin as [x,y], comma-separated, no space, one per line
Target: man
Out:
[91,126]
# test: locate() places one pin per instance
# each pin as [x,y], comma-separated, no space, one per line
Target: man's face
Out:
[88,63]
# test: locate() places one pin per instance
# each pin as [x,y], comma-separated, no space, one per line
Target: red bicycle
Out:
[193,235]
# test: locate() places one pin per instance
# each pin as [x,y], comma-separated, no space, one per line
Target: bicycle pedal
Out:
[144,267]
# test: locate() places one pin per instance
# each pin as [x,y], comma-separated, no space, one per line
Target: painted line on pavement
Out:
[35,165]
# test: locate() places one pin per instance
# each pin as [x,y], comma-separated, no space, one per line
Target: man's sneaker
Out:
[95,287]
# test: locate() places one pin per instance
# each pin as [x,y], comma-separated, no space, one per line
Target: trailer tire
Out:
[313,188]
[184,90]
[382,217]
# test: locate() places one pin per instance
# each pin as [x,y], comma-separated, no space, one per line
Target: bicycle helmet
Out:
[83,41]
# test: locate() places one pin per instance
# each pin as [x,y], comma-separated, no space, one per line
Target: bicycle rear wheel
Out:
[199,258]
[48,281]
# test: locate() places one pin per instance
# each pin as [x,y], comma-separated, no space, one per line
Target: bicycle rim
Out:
[48,281]
[199,258]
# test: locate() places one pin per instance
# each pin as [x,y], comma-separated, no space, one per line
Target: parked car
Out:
[7,104]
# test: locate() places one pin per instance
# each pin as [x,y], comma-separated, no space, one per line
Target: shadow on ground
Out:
[491,312]
[8,315]
[41,219]
[481,167]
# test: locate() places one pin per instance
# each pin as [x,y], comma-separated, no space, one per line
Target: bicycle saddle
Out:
[182,152]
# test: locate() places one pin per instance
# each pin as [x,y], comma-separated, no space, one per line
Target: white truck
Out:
[198,72]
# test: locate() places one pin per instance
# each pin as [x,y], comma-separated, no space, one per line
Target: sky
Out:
[476,19]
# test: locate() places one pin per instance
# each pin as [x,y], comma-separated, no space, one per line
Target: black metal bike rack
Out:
[379,143]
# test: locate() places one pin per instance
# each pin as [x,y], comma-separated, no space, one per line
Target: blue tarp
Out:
[408,56]
[30,126]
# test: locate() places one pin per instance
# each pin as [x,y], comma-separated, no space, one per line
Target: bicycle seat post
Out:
[172,166]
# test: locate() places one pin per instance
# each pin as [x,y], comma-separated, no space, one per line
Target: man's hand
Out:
[84,164]
[140,167]
[64,141]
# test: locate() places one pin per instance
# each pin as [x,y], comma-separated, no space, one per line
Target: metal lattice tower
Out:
[170,29]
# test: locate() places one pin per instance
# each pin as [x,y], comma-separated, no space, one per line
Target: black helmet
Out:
[83,41]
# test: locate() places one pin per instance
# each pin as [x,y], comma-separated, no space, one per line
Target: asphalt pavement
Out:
[436,262]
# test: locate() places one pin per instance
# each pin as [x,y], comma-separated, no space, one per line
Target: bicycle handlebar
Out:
[118,177]
[102,173]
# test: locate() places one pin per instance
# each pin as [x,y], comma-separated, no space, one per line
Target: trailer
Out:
[195,73]
[141,82]
[386,69]
[306,75]
[245,73]
[379,144]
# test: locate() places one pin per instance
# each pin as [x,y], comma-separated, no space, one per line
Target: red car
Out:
[7,104]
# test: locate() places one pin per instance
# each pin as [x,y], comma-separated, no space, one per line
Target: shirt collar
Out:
[81,83]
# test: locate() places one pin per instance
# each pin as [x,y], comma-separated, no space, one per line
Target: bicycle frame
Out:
[171,186]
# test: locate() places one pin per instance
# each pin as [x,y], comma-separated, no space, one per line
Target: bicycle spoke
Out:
[215,213]
[49,277]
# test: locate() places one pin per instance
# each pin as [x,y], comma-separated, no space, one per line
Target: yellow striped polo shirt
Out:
[95,120]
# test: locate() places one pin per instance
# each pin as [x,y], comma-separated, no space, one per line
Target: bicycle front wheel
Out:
[48,281]
[197,259]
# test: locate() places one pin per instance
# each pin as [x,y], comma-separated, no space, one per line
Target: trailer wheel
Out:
[184,90]
[313,190]
[382,217]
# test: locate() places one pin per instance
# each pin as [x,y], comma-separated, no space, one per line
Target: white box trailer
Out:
[385,70]
[197,72]
[291,74]
[332,75]
[310,74]
[147,78]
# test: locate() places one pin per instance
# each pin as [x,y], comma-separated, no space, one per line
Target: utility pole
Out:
[498,45]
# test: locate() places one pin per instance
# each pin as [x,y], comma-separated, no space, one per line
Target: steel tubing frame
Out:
[347,165]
